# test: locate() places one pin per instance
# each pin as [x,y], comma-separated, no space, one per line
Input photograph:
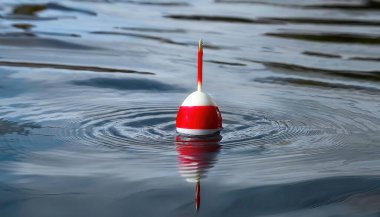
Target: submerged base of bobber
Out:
[197,132]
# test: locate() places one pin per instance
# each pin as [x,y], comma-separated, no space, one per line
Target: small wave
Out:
[288,67]
[151,37]
[225,63]
[26,39]
[36,33]
[319,54]
[328,37]
[319,84]
[9,127]
[128,84]
[157,38]
[323,21]
[23,26]
[34,18]
[376,59]
[149,3]
[33,9]
[343,5]
[157,30]
[226,19]
[158,3]
[71,67]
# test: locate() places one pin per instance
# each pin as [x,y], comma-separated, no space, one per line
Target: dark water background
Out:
[89,91]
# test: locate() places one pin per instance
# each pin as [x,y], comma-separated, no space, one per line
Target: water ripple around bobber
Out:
[151,128]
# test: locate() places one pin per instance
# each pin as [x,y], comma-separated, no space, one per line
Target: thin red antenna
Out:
[200,64]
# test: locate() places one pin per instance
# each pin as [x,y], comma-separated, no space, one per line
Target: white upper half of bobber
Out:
[199,98]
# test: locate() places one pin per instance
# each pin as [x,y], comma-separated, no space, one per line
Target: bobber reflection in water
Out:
[199,114]
[196,155]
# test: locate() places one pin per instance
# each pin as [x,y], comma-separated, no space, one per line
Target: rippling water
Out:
[89,91]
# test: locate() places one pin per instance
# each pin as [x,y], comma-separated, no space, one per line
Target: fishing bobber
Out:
[199,114]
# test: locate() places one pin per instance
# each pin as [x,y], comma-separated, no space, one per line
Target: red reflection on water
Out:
[196,155]
[198,195]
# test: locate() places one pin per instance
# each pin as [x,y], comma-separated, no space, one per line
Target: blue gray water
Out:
[89,91]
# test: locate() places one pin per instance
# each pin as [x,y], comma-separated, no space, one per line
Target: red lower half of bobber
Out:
[199,120]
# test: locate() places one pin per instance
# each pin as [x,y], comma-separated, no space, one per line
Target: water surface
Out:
[89,91]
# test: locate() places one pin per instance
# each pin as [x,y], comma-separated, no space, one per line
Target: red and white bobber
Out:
[199,114]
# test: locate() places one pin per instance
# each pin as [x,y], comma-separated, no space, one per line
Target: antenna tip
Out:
[200,45]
